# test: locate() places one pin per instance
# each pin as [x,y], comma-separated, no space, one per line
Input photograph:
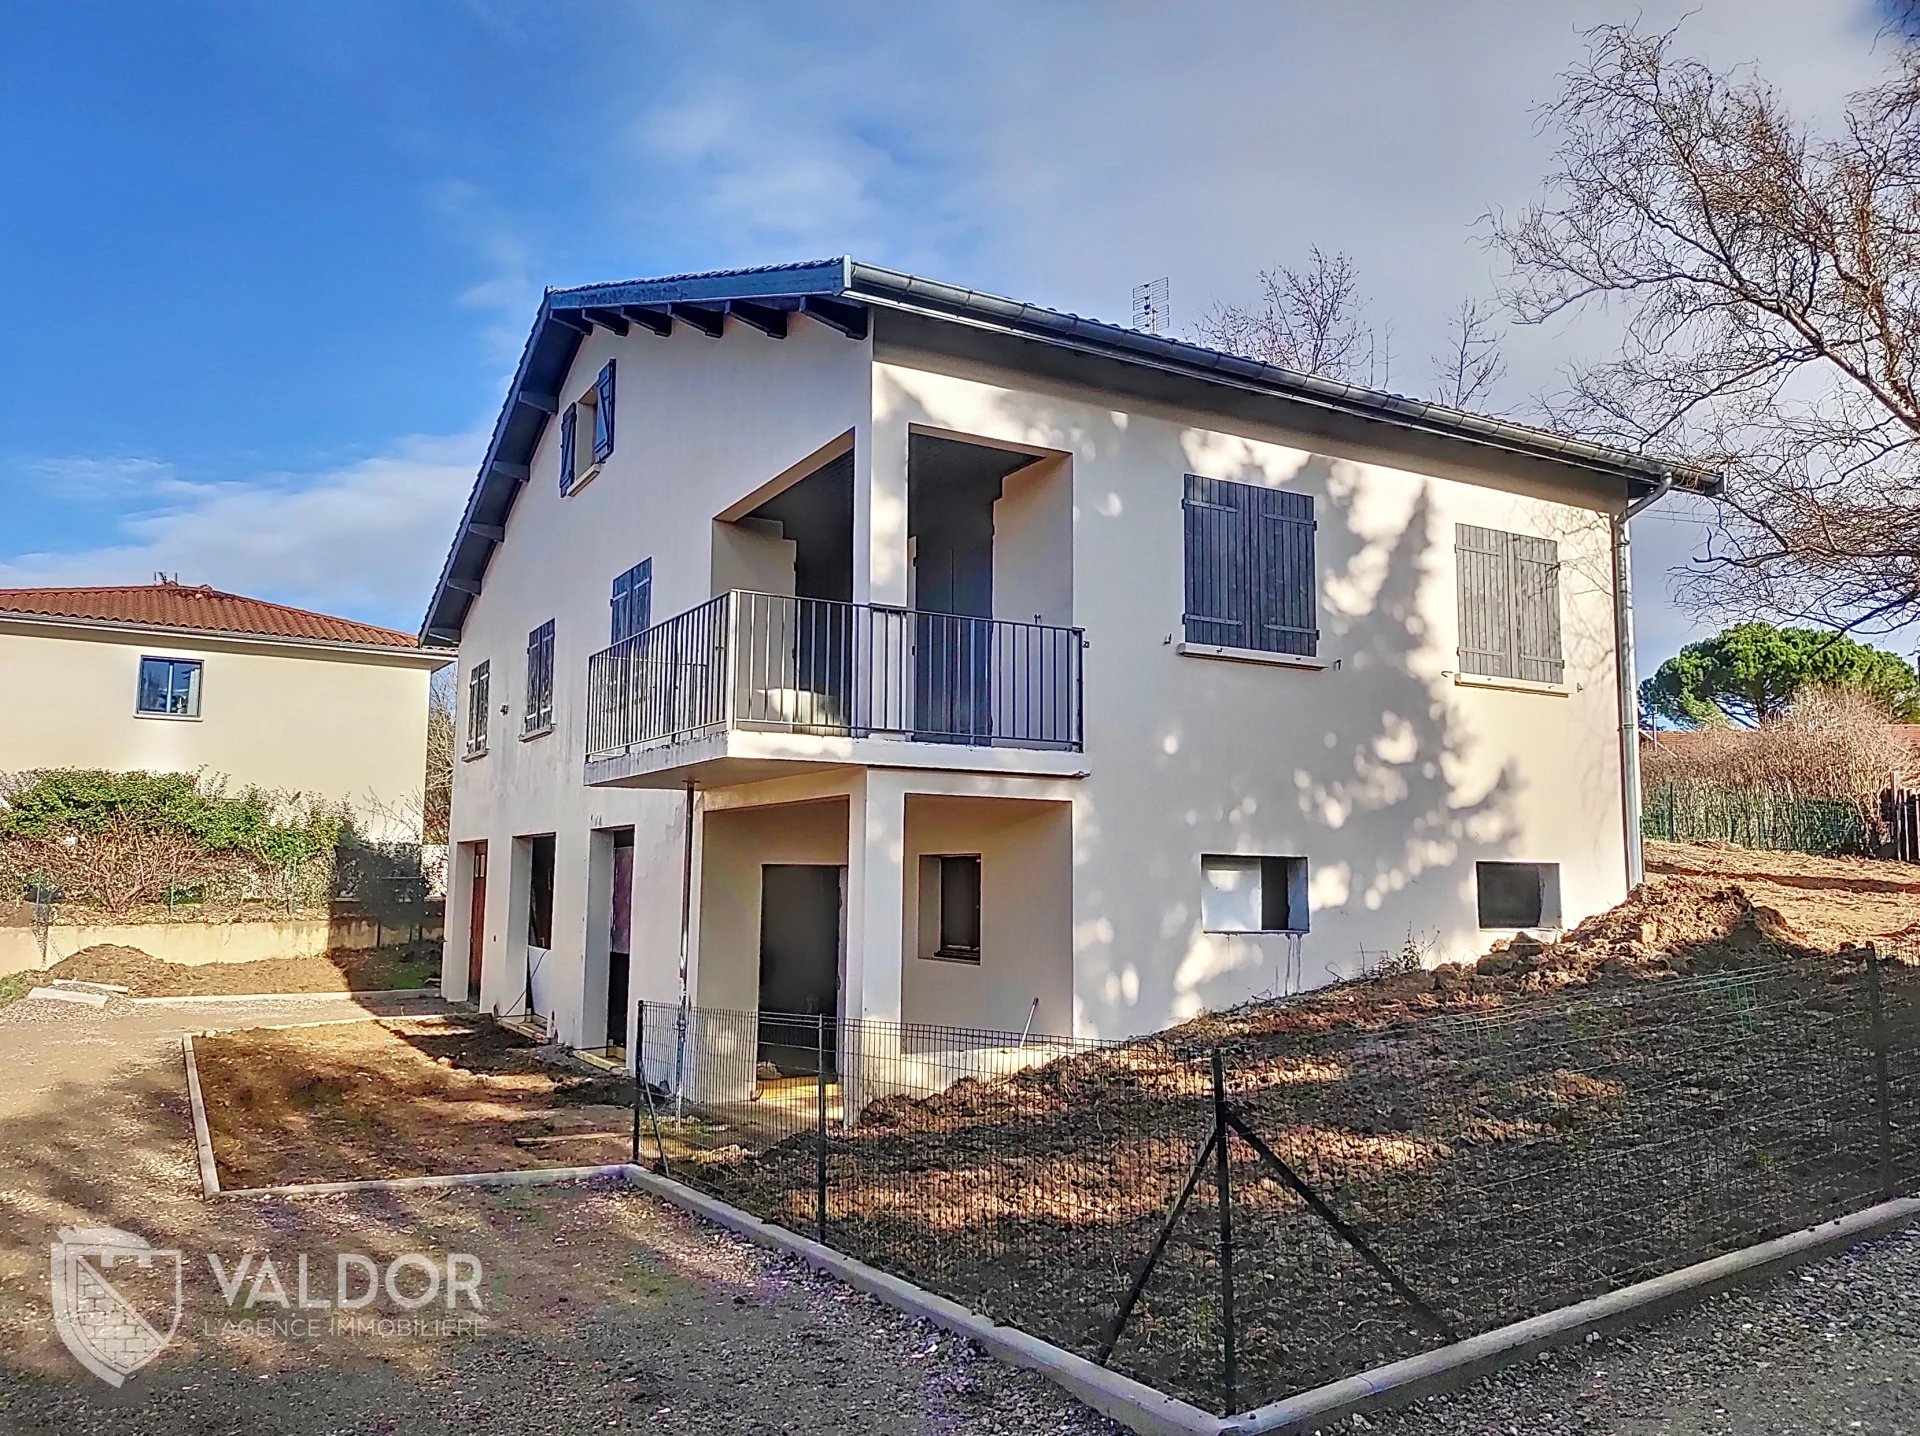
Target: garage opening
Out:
[801,939]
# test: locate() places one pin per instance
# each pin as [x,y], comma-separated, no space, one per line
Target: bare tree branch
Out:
[1466,371]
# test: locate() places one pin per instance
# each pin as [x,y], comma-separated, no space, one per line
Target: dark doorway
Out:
[799,965]
[476,920]
[619,939]
[540,854]
[951,490]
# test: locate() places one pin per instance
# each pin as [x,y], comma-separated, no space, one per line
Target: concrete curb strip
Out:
[224,997]
[527,1177]
[202,1138]
[67,994]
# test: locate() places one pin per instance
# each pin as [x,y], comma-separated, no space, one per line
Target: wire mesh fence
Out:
[1353,1191]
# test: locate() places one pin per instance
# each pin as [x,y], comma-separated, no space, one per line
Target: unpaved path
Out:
[603,1309]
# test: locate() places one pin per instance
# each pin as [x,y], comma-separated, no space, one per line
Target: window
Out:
[1253,894]
[539,715]
[1249,567]
[169,688]
[950,907]
[479,684]
[1509,605]
[594,410]
[632,601]
[1518,895]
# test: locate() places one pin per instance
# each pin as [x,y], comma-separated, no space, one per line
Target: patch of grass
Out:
[16,985]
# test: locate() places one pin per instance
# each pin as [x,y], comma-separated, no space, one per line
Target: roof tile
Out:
[198,609]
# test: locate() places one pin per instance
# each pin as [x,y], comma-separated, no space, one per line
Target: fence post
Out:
[1883,1097]
[820,1126]
[1223,1184]
[639,1074]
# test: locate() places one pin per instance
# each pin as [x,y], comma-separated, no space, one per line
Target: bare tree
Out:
[1311,319]
[1466,371]
[437,805]
[1768,278]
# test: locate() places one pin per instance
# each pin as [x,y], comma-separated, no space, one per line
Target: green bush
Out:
[283,830]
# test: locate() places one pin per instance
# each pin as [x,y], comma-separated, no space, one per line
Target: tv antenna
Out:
[1151,310]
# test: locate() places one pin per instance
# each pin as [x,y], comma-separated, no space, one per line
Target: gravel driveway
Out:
[604,1309]
[1833,1347]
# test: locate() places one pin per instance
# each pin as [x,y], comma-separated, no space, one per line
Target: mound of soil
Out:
[342,970]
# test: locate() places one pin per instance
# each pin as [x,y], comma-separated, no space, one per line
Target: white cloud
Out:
[365,539]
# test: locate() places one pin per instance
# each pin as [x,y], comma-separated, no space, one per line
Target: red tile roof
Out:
[195,608]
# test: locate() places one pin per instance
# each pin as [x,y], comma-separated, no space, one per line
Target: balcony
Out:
[750,685]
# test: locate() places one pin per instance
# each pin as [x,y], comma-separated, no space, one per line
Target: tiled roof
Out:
[195,608]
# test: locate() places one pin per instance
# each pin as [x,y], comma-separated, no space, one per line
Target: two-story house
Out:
[838,641]
[182,678]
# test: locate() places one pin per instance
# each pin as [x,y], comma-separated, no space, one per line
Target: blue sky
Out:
[265,267]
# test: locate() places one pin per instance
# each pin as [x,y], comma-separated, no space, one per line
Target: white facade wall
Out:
[699,425]
[1387,775]
[344,725]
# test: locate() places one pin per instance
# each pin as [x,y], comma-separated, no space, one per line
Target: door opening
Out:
[800,949]
[619,941]
[476,920]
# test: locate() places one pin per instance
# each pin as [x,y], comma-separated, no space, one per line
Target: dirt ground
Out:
[1681,1076]
[342,970]
[401,1099]
[602,1309]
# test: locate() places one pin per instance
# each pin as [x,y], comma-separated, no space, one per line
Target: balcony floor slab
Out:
[723,759]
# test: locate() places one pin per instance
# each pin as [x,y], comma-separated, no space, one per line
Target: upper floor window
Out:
[479,688]
[1250,580]
[169,688]
[1509,605]
[539,714]
[592,413]
[632,601]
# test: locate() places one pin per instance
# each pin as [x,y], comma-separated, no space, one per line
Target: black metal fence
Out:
[1757,818]
[1266,1201]
[775,663]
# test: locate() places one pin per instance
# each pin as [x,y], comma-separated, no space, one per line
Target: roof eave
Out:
[225,635]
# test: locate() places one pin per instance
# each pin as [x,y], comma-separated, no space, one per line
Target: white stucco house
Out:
[182,678]
[838,641]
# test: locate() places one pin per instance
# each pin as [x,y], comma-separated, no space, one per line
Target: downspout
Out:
[1629,678]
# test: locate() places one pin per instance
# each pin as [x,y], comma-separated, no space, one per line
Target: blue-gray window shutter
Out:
[1217,562]
[1509,605]
[568,418]
[632,601]
[1250,576]
[1285,593]
[603,413]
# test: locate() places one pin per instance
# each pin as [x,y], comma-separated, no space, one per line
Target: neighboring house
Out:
[1013,669]
[170,677]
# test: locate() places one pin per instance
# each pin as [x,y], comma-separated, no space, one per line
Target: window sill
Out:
[964,959]
[169,717]
[581,481]
[473,753]
[1513,685]
[528,737]
[1254,655]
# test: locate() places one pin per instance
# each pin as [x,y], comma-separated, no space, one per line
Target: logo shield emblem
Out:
[116,1299]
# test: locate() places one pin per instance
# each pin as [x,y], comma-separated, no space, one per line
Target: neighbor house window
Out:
[479,685]
[539,714]
[590,417]
[632,602]
[169,687]
[1518,895]
[950,907]
[1509,605]
[1250,580]
[1253,894]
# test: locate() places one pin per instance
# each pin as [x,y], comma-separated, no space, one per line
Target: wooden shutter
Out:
[603,413]
[632,601]
[1217,562]
[1250,580]
[1486,602]
[1535,582]
[539,713]
[569,417]
[1509,605]
[1284,591]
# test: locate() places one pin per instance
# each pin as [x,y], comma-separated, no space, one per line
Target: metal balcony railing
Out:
[772,663]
